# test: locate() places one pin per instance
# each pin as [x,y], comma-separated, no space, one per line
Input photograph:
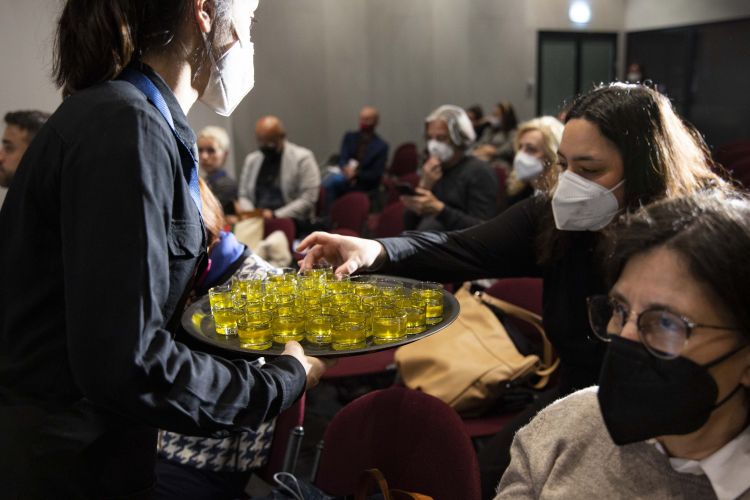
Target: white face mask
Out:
[440,150]
[583,205]
[527,167]
[232,76]
[634,77]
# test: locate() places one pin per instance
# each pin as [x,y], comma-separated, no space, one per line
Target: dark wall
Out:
[705,70]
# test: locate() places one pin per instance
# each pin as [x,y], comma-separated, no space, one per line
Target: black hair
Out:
[30,121]
[509,122]
[97,39]
[710,230]
[663,156]
[476,110]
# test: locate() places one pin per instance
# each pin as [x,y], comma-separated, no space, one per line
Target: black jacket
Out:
[99,238]
[505,247]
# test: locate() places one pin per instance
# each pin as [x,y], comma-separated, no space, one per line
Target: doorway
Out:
[569,63]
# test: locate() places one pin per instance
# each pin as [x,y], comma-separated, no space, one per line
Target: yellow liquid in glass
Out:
[255,334]
[434,314]
[286,328]
[318,329]
[388,328]
[348,335]
[415,320]
[226,321]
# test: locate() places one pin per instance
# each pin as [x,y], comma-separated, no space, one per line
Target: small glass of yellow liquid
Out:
[348,335]
[388,325]
[340,284]
[319,328]
[254,330]
[223,310]
[288,327]
[415,314]
[432,297]
[390,288]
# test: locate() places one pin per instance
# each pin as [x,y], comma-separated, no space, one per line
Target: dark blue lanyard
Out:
[147,87]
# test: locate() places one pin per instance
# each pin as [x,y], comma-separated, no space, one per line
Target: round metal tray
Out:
[199,324]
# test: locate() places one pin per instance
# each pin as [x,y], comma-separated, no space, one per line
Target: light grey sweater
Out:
[566,453]
[299,181]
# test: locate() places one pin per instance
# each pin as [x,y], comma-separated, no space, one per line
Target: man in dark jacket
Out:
[362,159]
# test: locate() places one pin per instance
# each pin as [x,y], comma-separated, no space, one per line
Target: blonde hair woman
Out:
[535,164]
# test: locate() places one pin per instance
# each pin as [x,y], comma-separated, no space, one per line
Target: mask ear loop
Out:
[719,360]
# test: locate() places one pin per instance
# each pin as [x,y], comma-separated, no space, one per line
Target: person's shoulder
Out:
[474,164]
[571,418]
[299,151]
[105,106]
[351,135]
[109,97]
[253,157]
[380,141]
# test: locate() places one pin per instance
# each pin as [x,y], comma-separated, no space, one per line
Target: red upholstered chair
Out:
[287,439]
[365,364]
[391,221]
[523,292]
[740,172]
[731,153]
[350,211]
[416,440]
[389,183]
[320,205]
[405,160]
[526,293]
[285,225]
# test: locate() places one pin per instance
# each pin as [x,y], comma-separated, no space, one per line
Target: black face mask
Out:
[642,396]
[270,151]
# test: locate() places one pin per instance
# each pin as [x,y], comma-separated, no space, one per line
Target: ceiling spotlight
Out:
[579,12]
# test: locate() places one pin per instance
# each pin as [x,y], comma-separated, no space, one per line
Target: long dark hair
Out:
[710,230]
[508,120]
[97,39]
[663,156]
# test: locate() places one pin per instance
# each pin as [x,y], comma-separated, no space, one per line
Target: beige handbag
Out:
[470,363]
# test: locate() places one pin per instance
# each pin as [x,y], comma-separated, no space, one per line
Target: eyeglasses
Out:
[207,150]
[662,332]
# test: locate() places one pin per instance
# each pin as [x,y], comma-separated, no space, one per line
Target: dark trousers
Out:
[177,481]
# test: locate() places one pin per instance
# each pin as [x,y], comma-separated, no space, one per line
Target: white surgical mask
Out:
[583,205]
[232,77]
[440,150]
[634,77]
[527,167]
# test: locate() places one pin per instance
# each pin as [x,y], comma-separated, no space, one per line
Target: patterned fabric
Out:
[240,452]
[243,451]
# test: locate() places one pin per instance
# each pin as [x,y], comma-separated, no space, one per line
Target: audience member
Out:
[623,146]
[670,416]
[497,139]
[478,121]
[535,168]
[281,178]
[362,159]
[634,73]
[20,129]
[455,190]
[213,150]
[100,238]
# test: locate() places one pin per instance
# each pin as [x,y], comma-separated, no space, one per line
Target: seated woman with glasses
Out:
[670,416]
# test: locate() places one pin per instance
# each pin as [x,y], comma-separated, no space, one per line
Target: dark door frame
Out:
[577,37]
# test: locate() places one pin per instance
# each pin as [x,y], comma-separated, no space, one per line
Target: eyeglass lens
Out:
[661,331]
